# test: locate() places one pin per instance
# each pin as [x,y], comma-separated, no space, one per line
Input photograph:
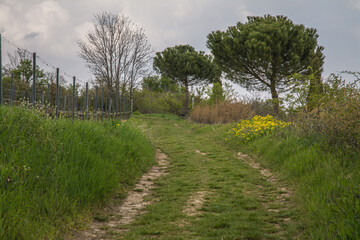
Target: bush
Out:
[336,115]
[222,112]
[158,102]
[248,130]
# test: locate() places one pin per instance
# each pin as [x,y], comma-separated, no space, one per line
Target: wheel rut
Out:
[115,219]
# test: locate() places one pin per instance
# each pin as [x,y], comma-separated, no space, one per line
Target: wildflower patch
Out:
[248,130]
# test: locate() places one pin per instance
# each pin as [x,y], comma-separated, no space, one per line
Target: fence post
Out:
[11,88]
[128,106]
[69,101]
[102,102]
[73,105]
[65,109]
[117,104]
[59,95]
[77,100]
[48,95]
[33,98]
[86,100]
[124,106]
[109,107]
[96,100]
[131,110]
[57,92]
[1,89]
[29,94]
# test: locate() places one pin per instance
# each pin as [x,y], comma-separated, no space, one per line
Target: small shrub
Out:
[223,112]
[248,130]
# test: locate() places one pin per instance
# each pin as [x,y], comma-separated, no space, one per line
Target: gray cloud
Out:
[52,27]
[31,35]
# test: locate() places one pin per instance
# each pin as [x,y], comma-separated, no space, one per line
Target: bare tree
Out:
[116,52]
[18,56]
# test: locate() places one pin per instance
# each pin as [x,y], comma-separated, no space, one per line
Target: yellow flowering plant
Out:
[247,130]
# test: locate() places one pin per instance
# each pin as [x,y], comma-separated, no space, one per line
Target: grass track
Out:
[235,197]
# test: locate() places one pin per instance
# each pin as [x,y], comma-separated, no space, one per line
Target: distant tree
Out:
[159,84]
[217,94]
[116,52]
[262,53]
[187,67]
[316,85]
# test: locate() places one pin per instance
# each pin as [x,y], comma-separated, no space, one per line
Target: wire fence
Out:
[27,79]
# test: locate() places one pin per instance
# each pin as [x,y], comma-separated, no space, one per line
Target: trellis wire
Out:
[57,99]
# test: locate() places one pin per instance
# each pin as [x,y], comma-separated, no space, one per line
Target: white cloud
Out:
[82,29]
[52,27]
[39,26]
[46,19]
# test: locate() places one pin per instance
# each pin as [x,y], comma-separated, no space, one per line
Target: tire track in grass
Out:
[115,220]
[281,192]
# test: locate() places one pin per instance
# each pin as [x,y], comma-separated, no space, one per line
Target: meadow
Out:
[53,173]
[325,177]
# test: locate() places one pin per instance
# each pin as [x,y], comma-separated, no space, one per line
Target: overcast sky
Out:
[52,27]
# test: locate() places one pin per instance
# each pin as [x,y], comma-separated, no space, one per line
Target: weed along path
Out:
[206,190]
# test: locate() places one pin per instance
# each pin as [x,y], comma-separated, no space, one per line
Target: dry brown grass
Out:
[223,112]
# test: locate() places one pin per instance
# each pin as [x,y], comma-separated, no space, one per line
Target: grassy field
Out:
[326,180]
[53,172]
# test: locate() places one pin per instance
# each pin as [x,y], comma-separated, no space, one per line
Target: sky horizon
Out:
[52,27]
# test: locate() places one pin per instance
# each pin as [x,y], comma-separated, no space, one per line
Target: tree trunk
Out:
[275,98]
[187,97]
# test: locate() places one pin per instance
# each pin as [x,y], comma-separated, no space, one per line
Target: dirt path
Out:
[210,191]
[113,220]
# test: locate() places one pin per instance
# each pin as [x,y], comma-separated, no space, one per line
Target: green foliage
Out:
[325,177]
[262,53]
[53,172]
[306,92]
[334,112]
[159,84]
[146,101]
[187,67]
[217,94]
[25,69]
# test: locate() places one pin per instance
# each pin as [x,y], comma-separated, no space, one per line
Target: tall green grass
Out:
[53,171]
[326,180]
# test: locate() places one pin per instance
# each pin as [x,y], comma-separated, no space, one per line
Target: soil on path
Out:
[115,218]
